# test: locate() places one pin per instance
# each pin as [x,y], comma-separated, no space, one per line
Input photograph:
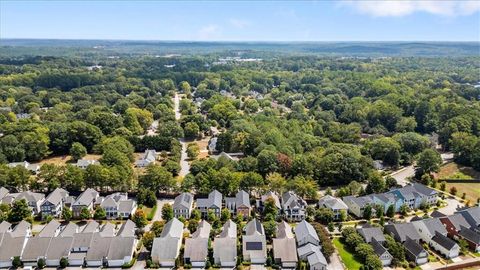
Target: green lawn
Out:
[347,257]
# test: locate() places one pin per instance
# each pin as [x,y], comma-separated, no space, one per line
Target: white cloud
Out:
[398,8]
[208,32]
[238,23]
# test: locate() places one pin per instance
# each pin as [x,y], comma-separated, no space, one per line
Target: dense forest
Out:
[300,120]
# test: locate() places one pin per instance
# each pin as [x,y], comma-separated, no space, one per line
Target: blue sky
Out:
[243,20]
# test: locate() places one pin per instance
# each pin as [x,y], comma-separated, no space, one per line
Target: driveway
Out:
[335,263]
[158,213]
[402,175]
[452,206]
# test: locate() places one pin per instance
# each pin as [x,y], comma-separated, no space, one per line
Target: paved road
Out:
[452,206]
[335,263]
[403,174]
[184,165]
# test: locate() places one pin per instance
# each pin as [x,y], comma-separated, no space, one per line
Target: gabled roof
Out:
[69,230]
[444,241]
[184,200]
[173,228]
[274,196]
[50,229]
[472,216]
[36,247]
[433,225]
[86,162]
[378,248]
[86,197]
[5,226]
[214,199]
[121,247]
[285,249]
[229,230]
[332,203]
[56,196]
[316,258]
[242,199]
[457,220]
[360,201]
[284,230]
[11,246]
[59,247]
[306,250]
[91,226]
[108,230]
[413,247]
[292,200]
[254,227]
[126,206]
[370,233]
[305,229]
[470,235]
[30,196]
[402,231]
[21,230]
[422,189]
[98,247]
[437,214]
[128,229]
[203,230]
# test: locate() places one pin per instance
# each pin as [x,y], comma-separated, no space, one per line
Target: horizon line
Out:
[236,41]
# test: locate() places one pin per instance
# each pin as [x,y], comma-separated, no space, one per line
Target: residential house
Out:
[84,163]
[81,243]
[446,246]
[402,231]
[269,195]
[305,233]
[427,228]
[284,247]
[415,194]
[166,248]
[118,206]
[122,246]
[316,260]
[335,204]
[356,205]
[387,200]
[453,224]
[34,200]
[370,233]
[148,158]
[196,247]
[36,247]
[182,206]
[34,168]
[415,252]
[381,252]
[59,248]
[472,237]
[240,204]
[225,246]
[294,207]
[53,204]
[471,215]
[13,242]
[213,202]
[254,243]
[85,200]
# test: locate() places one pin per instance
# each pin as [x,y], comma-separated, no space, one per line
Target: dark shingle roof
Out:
[470,235]
[443,241]
[413,247]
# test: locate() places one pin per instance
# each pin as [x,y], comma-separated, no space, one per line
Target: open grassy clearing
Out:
[348,258]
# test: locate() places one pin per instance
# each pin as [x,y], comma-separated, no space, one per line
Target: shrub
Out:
[41,263]
[63,262]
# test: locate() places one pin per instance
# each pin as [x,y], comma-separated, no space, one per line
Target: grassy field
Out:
[453,171]
[348,258]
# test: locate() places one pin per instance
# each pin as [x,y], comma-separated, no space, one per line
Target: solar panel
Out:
[254,245]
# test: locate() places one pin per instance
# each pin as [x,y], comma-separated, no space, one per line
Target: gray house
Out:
[239,204]
[85,200]
[225,246]
[148,158]
[196,247]
[403,231]
[370,233]
[213,202]
[34,200]
[415,252]
[269,195]
[166,248]
[294,207]
[118,206]
[335,204]
[381,252]
[13,242]
[356,205]
[254,243]
[182,206]
[472,216]
[53,204]
[305,233]
[284,246]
